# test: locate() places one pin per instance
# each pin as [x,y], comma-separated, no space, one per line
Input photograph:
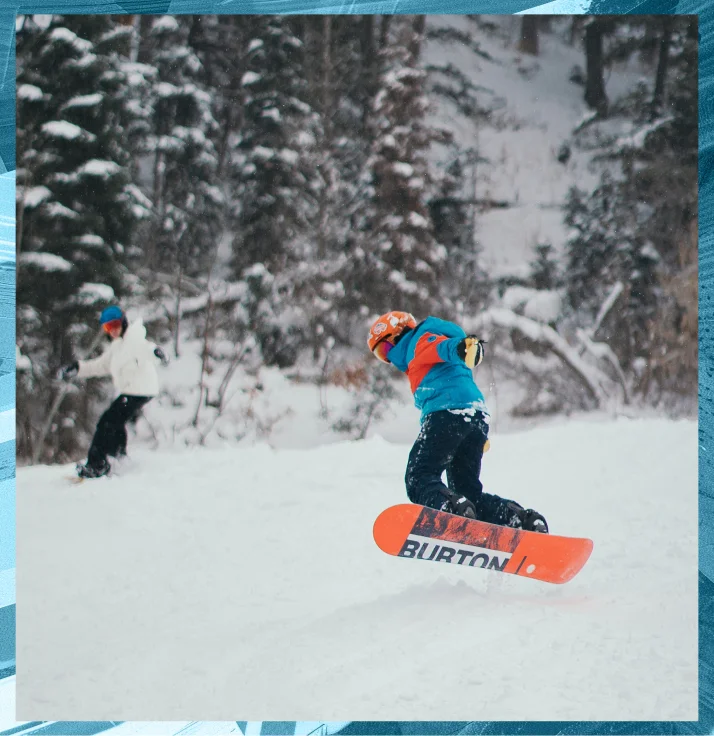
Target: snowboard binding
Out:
[87,471]
[527,519]
[458,505]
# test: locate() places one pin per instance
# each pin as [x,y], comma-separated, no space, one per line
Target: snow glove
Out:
[159,353]
[471,350]
[69,371]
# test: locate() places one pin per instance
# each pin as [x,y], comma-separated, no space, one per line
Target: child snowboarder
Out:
[130,360]
[438,358]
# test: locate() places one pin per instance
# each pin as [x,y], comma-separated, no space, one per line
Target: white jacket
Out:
[129,360]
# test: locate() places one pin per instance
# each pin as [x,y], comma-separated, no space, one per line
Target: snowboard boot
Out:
[460,506]
[89,471]
[526,519]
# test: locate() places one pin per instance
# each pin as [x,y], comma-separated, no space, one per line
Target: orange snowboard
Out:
[413,531]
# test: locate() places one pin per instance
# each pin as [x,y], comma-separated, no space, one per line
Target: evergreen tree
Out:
[453,213]
[596,28]
[635,228]
[275,180]
[335,89]
[75,204]
[398,261]
[221,43]
[663,173]
[186,202]
[544,269]
[609,248]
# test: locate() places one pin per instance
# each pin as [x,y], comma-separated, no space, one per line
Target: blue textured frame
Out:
[8,10]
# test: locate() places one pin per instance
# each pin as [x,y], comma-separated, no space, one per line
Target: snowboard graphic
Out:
[417,532]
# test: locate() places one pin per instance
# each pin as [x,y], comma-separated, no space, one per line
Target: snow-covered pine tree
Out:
[276,181]
[453,212]
[72,155]
[634,232]
[220,42]
[545,268]
[337,78]
[665,175]
[398,263]
[609,249]
[180,158]
[275,178]
[74,199]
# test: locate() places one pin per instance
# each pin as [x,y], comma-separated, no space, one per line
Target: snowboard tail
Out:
[419,532]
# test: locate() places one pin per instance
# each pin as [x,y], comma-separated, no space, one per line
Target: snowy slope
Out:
[250,575]
[537,110]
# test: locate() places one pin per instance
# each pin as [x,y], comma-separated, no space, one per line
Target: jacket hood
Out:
[441,327]
[135,331]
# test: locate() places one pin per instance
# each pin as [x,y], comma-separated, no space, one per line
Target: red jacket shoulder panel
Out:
[425,358]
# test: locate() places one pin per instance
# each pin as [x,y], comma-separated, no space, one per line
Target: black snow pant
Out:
[453,441]
[110,435]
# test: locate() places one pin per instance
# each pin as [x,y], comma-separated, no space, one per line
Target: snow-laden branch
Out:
[607,305]
[639,137]
[603,351]
[595,381]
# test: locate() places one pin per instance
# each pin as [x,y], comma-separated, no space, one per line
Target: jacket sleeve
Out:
[96,367]
[448,350]
[432,349]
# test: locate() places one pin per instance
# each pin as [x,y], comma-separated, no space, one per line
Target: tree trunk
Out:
[178,310]
[370,66]
[528,42]
[26,184]
[595,96]
[384,33]
[326,143]
[416,37]
[135,38]
[326,70]
[232,118]
[207,340]
[662,65]
[144,54]
[575,27]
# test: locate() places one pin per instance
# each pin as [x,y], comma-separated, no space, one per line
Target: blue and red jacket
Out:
[439,378]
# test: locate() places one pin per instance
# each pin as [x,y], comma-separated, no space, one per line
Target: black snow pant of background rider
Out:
[453,441]
[110,436]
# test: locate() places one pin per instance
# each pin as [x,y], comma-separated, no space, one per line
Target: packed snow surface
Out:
[204,583]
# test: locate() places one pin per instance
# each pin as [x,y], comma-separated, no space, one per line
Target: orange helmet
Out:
[388,328]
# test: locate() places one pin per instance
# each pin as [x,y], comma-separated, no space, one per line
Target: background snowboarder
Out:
[130,360]
[438,358]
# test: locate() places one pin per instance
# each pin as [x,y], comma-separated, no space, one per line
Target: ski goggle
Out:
[111,325]
[381,350]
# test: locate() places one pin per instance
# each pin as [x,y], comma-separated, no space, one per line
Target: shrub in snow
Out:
[375,390]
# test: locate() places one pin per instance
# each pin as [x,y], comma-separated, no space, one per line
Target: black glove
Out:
[69,371]
[471,350]
[159,353]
